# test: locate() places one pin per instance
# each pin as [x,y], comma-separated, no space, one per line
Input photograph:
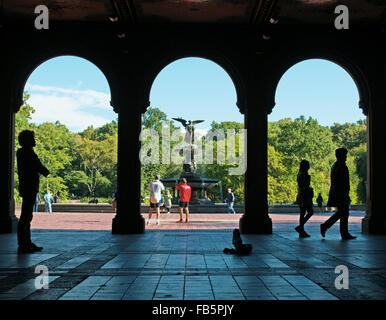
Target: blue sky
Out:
[75,92]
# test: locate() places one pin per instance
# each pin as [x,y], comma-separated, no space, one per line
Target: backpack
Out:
[240,247]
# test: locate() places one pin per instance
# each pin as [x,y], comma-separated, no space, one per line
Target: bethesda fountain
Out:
[199,185]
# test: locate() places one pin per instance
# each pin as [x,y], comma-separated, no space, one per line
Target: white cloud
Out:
[69,106]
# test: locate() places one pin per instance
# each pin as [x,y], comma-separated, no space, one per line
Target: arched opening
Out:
[192,89]
[67,105]
[316,112]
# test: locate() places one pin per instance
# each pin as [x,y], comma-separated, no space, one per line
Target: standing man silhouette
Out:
[319,201]
[230,200]
[339,195]
[28,169]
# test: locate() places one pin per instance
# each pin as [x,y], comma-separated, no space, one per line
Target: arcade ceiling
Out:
[245,12]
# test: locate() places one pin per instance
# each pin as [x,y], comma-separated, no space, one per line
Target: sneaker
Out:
[179,221]
[158,223]
[348,237]
[35,247]
[148,222]
[304,234]
[323,230]
[25,250]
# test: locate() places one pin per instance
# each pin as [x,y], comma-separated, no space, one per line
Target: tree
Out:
[227,125]
[353,137]
[153,118]
[23,116]
[349,135]
[302,139]
[54,146]
[96,158]
[282,186]
[76,182]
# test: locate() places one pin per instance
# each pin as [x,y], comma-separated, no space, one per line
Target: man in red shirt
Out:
[185,193]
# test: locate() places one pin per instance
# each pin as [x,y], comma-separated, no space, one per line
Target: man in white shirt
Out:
[155,188]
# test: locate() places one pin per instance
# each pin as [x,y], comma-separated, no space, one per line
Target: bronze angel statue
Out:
[189,127]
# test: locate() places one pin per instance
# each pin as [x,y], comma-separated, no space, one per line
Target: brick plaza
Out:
[185,261]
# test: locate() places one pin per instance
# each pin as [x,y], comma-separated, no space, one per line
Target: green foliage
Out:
[227,125]
[294,140]
[97,159]
[84,164]
[349,135]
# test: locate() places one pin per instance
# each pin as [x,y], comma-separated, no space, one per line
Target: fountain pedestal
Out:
[198,184]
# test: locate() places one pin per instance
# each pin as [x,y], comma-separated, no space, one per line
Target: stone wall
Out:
[216,208]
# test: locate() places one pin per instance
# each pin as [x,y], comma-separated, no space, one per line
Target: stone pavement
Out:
[190,265]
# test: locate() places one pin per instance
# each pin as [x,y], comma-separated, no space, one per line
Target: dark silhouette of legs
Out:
[24,224]
[341,214]
[305,214]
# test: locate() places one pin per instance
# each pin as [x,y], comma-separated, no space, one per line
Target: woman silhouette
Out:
[304,197]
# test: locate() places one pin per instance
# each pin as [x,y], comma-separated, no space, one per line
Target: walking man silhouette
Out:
[339,195]
[28,168]
[304,197]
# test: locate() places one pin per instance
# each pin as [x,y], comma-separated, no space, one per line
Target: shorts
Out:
[184,204]
[154,205]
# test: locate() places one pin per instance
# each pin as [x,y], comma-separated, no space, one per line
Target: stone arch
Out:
[221,61]
[25,70]
[346,64]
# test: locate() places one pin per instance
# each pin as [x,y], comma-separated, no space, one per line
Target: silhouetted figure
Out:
[47,197]
[28,168]
[240,247]
[37,201]
[230,200]
[319,201]
[114,197]
[339,195]
[304,197]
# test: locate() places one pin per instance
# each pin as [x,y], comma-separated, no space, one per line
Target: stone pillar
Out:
[8,220]
[255,219]
[375,219]
[128,218]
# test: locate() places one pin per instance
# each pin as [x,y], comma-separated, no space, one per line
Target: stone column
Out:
[375,219]
[128,218]
[255,218]
[8,220]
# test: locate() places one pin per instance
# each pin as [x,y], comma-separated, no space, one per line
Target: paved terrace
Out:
[188,262]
